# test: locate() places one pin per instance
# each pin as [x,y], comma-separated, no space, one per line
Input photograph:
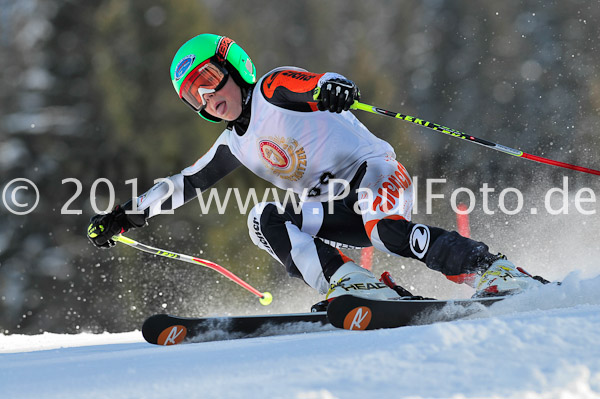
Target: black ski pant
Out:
[307,238]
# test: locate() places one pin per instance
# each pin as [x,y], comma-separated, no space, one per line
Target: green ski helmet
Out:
[225,57]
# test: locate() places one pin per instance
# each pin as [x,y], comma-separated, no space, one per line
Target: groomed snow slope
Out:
[542,344]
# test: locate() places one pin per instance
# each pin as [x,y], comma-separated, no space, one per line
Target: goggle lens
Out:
[207,77]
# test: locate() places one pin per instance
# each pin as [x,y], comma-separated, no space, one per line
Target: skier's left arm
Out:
[304,91]
[174,191]
[169,193]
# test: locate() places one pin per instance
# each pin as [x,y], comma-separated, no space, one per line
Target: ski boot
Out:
[351,279]
[504,278]
[387,279]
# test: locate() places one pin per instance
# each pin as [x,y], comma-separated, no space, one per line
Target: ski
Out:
[347,312]
[354,313]
[164,329]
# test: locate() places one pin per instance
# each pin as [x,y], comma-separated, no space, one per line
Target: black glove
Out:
[103,227]
[337,95]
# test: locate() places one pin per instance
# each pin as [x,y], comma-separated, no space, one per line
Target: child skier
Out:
[275,129]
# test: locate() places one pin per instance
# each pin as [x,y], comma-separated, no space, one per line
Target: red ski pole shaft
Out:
[468,137]
[265,298]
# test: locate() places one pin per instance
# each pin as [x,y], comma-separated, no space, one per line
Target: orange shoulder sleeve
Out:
[291,89]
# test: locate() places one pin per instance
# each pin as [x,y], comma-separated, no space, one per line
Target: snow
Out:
[541,344]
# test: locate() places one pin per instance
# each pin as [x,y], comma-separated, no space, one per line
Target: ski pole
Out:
[264,298]
[468,137]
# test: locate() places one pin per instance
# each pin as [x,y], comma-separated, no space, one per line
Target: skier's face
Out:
[225,103]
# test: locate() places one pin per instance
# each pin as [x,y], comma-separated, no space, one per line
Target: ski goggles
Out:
[208,77]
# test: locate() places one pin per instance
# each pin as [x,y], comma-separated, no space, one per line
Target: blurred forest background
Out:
[85,93]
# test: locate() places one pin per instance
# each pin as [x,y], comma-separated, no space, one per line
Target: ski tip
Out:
[350,313]
[160,330]
[359,318]
[172,335]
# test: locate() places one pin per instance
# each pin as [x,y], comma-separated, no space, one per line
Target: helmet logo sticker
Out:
[223,48]
[184,65]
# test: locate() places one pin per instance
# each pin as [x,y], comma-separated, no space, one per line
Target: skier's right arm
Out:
[170,193]
[304,91]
